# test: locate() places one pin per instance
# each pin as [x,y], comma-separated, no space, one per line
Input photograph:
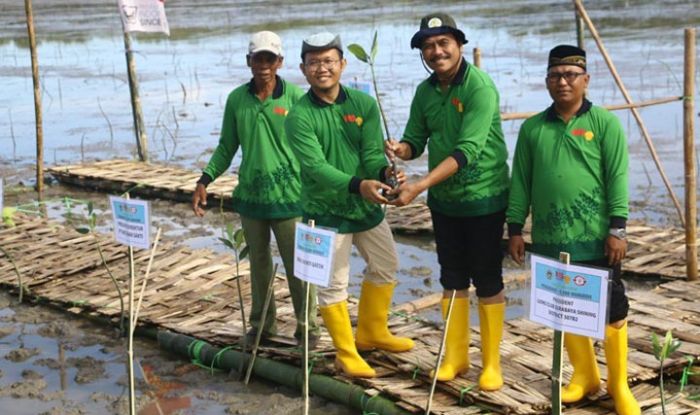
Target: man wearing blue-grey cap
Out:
[335,133]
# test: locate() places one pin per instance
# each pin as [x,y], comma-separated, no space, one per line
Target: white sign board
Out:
[132,221]
[144,16]
[313,254]
[569,298]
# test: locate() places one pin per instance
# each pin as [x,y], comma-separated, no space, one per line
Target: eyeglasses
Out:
[316,65]
[570,77]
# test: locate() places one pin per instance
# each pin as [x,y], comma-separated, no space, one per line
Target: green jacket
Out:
[463,122]
[573,178]
[338,145]
[268,178]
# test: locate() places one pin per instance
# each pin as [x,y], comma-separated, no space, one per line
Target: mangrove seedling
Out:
[369,58]
[90,228]
[662,350]
[235,240]
[7,216]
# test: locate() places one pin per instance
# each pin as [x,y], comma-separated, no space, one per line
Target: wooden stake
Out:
[130,352]
[579,31]
[477,57]
[37,100]
[305,362]
[691,197]
[557,352]
[440,352]
[139,124]
[145,278]
[645,133]
[268,296]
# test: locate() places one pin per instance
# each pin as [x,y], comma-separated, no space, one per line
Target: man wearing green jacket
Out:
[455,113]
[336,134]
[570,173]
[268,193]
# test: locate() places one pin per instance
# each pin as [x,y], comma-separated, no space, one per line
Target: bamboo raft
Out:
[652,251]
[193,292]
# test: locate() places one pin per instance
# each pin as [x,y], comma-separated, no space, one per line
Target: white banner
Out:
[569,298]
[132,222]
[313,254]
[144,16]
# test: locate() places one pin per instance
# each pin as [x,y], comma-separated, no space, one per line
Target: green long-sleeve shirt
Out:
[463,122]
[573,177]
[337,145]
[268,182]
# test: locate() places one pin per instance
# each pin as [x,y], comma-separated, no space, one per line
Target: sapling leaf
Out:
[375,46]
[239,237]
[358,51]
[227,242]
[83,230]
[243,253]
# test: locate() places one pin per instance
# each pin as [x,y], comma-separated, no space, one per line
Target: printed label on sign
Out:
[131,221]
[570,298]
[313,254]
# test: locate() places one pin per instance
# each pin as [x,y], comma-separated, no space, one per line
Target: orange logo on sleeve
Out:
[281,111]
[352,118]
[586,134]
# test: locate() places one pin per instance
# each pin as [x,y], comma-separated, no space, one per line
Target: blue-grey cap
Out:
[321,41]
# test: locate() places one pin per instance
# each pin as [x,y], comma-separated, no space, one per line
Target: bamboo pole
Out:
[645,133]
[579,31]
[139,125]
[477,57]
[433,383]
[691,210]
[37,100]
[615,107]
[268,298]
[557,352]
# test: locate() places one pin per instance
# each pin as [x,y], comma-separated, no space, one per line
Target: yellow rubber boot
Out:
[586,377]
[337,321]
[372,319]
[616,355]
[456,360]
[491,323]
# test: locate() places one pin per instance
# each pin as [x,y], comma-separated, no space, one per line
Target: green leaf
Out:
[90,207]
[239,237]
[358,51]
[83,230]
[229,231]
[93,221]
[244,253]
[373,53]
[227,242]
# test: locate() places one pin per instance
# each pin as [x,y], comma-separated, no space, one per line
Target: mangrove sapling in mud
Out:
[235,240]
[360,53]
[90,228]
[662,350]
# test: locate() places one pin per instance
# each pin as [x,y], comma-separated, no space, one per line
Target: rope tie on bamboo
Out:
[193,351]
[364,404]
[463,392]
[217,356]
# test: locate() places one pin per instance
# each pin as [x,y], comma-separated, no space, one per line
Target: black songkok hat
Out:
[567,55]
[436,24]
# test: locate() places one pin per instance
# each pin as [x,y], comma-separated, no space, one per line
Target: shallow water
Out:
[184,83]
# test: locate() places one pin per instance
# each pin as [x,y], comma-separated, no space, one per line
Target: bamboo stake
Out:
[145,279]
[37,100]
[477,57]
[305,388]
[258,335]
[579,31]
[645,133]
[139,124]
[440,352]
[691,210]
[615,107]
[557,352]
[130,352]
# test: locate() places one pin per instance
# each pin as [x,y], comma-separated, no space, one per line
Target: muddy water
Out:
[184,82]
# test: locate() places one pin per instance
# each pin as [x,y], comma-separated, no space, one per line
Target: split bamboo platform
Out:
[193,292]
[652,251]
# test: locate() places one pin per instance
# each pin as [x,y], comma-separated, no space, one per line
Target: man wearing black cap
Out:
[570,174]
[336,134]
[455,112]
